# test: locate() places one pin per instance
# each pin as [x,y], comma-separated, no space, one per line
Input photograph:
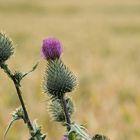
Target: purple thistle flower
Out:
[51,48]
[65,138]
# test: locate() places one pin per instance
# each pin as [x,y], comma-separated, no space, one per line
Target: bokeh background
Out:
[101,40]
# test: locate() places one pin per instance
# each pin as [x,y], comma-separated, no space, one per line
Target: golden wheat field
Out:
[101,41]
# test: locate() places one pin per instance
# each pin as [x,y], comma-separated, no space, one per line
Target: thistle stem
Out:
[23,105]
[64,105]
[19,93]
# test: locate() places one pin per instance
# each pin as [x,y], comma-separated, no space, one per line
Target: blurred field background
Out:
[101,40]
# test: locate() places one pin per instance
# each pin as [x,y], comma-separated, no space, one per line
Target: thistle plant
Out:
[6,51]
[58,82]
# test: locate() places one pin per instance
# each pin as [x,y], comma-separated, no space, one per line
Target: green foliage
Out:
[33,69]
[58,79]
[6,47]
[21,113]
[19,75]
[80,132]
[16,115]
[37,135]
[72,136]
[57,112]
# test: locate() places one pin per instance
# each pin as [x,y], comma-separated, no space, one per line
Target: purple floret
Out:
[51,48]
[65,138]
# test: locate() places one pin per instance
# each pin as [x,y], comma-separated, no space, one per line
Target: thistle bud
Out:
[58,79]
[56,110]
[6,47]
[100,137]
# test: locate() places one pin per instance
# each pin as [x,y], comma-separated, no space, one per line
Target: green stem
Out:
[23,106]
[72,136]
[64,105]
[19,93]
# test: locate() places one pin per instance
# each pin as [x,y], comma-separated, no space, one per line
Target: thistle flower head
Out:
[51,48]
[6,47]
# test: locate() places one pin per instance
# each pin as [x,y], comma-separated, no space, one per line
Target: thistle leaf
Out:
[33,69]
[80,131]
[8,127]
[37,132]
[16,115]
[19,75]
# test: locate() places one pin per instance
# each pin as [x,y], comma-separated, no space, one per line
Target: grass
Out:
[101,45]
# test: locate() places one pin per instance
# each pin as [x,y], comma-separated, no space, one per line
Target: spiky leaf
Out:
[16,115]
[19,75]
[37,134]
[80,131]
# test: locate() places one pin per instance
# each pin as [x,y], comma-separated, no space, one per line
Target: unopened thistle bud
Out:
[6,47]
[100,137]
[56,110]
[51,48]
